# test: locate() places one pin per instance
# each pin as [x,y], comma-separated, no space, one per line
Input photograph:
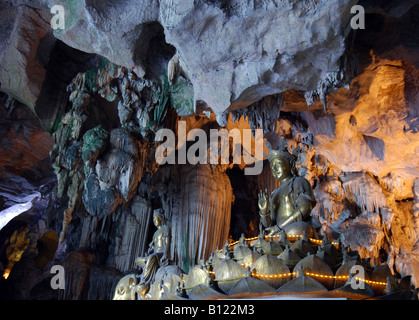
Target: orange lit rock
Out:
[369,138]
[366,126]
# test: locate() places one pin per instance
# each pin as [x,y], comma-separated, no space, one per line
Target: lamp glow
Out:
[6,274]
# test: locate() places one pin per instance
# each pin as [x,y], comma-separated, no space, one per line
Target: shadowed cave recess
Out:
[82,108]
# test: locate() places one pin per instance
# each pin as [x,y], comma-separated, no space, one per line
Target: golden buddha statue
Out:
[157,254]
[289,204]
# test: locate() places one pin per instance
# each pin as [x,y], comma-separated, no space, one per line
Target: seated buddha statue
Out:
[157,254]
[289,205]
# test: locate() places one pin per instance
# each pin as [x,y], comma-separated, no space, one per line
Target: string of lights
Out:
[289,237]
[274,276]
[369,282]
[310,274]
[285,275]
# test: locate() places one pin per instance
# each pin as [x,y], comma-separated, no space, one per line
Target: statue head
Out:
[282,163]
[158,217]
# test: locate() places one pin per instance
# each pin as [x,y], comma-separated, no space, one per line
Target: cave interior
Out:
[82,109]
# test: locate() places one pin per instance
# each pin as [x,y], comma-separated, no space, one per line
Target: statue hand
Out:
[141,261]
[263,202]
[164,260]
[272,230]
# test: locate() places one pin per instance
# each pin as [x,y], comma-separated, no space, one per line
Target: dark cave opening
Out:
[244,211]
[47,245]
[154,52]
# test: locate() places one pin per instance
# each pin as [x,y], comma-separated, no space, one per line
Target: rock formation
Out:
[241,64]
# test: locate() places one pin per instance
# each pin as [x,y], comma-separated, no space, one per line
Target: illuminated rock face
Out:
[373,126]
[377,132]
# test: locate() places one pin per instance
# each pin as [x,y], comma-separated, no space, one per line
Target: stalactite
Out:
[262,114]
[200,212]
[364,191]
[102,282]
[133,229]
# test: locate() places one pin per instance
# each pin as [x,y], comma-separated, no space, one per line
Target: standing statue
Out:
[289,204]
[157,254]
